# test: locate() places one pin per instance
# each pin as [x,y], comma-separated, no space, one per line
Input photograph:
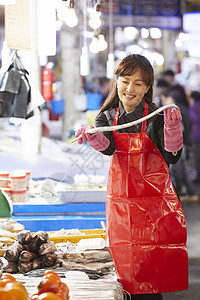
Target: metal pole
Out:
[31,132]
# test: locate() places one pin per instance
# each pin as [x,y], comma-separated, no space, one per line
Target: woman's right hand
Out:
[85,135]
[97,140]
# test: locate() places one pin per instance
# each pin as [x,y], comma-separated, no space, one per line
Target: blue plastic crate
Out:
[57,107]
[94,101]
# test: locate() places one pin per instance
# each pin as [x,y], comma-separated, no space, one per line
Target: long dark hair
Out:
[127,67]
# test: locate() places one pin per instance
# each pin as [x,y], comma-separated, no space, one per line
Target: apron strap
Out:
[144,124]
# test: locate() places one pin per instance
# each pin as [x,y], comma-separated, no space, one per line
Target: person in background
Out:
[162,86]
[169,76]
[194,112]
[193,80]
[104,83]
[178,171]
[145,224]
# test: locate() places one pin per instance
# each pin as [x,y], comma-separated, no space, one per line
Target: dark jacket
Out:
[154,128]
[186,125]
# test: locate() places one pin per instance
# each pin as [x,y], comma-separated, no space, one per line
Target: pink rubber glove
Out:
[97,140]
[173,135]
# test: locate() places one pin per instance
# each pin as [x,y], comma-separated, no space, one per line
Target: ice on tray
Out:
[86,179]
[95,243]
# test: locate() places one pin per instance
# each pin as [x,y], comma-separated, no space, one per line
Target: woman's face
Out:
[131,90]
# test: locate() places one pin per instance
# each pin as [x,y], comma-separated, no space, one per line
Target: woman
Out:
[146,231]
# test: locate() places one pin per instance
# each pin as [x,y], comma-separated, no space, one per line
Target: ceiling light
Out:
[94,46]
[66,13]
[144,33]
[71,19]
[102,43]
[95,21]
[155,33]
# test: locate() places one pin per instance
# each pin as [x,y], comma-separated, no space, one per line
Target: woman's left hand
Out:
[173,136]
[172,117]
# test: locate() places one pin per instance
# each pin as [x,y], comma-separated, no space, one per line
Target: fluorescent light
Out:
[110,65]
[191,21]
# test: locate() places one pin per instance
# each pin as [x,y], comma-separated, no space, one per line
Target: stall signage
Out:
[17,25]
[164,14]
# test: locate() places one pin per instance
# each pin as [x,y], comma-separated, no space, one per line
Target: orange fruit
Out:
[4,294]
[52,277]
[63,291]
[8,276]
[50,272]
[48,296]
[7,280]
[17,290]
[2,284]
[47,286]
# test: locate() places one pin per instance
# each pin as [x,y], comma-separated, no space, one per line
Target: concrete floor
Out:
[62,161]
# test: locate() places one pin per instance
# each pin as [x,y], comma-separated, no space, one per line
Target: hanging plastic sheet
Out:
[14,90]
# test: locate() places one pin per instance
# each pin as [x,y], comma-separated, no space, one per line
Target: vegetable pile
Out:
[50,288]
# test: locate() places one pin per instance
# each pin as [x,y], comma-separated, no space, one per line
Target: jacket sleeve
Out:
[102,121]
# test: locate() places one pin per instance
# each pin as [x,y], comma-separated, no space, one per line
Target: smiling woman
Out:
[145,225]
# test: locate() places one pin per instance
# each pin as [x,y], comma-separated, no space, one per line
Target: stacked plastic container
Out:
[16,184]
[5,182]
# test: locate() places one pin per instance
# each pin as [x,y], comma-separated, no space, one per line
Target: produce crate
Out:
[88,234]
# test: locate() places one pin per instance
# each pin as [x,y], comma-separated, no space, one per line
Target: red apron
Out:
[146,229]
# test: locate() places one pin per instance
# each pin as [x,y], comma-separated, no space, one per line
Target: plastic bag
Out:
[14,90]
